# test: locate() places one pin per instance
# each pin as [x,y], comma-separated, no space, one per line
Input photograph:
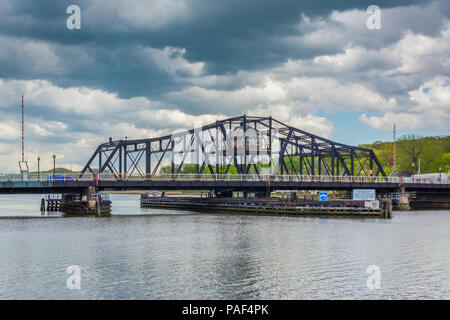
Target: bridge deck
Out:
[70,183]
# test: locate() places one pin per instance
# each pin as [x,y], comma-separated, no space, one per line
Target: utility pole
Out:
[23,165]
[39,172]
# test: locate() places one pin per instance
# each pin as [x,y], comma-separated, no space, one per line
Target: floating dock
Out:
[338,208]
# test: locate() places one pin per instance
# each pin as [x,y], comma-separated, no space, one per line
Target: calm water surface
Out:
[167,254]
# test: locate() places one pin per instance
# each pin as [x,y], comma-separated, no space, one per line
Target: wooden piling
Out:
[42,205]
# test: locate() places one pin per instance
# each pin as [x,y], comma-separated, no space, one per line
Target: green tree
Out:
[410,147]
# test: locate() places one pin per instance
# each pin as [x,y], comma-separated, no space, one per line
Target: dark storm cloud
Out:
[227,35]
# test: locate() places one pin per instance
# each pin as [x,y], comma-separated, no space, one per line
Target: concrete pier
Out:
[90,203]
[85,205]
[403,202]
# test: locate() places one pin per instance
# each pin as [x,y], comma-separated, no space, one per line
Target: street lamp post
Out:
[39,173]
[54,166]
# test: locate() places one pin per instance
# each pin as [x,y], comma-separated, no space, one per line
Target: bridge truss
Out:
[240,145]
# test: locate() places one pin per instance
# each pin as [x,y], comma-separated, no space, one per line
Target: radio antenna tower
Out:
[23,144]
[23,165]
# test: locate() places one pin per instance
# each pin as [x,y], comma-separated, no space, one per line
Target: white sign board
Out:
[372,204]
[364,194]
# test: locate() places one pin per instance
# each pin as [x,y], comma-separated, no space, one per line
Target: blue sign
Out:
[323,196]
[52,177]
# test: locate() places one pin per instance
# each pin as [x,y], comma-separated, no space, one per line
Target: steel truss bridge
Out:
[242,153]
[241,145]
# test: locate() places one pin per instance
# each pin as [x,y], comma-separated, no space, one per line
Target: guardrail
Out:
[70,176]
[250,177]
[35,177]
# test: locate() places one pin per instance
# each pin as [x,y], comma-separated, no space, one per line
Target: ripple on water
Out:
[168,254]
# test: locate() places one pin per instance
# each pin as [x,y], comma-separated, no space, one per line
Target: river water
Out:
[171,254]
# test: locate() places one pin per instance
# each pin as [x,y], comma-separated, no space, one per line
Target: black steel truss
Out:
[243,145]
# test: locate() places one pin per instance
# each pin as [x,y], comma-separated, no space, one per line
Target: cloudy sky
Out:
[141,68]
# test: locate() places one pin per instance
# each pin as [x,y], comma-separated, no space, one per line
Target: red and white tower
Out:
[23,165]
[23,144]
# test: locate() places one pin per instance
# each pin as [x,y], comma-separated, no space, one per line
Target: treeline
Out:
[433,152]
[57,170]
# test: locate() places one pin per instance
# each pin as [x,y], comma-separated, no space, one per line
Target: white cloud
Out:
[287,114]
[72,100]
[171,60]
[430,109]
[303,95]
[229,101]
[177,118]
[420,53]
[47,128]
[103,113]
[9,130]
[433,94]
[370,75]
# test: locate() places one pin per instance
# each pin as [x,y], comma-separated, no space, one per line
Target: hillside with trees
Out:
[433,152]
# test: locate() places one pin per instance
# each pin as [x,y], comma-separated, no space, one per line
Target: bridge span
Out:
[79,183]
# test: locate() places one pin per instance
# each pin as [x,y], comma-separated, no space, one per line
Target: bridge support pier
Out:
[89,203]
[403,202]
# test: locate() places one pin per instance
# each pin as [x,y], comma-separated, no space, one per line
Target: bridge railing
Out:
[70,176]
[249,177]
[437,179]
[39,177]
